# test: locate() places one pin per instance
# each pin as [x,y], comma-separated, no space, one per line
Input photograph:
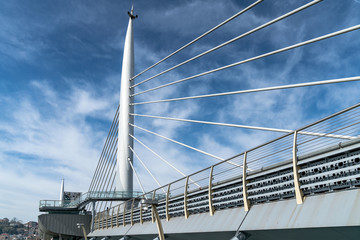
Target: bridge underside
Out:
[323,216]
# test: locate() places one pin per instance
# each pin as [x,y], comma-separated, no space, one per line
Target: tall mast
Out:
[124,171]
[62,193]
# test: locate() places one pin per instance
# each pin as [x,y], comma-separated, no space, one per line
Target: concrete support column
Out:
[93,213]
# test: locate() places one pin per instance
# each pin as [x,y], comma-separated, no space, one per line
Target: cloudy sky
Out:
[60,66]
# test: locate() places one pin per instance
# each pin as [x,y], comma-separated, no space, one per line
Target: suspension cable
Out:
[147,169]
[196,39]
[187,146]
[214,123]
[161,158]
[346,30]
[107,174]
[136,175]
[182,144]
[104,150]
[232,40]
[110,163]
[297,85]
[245,126]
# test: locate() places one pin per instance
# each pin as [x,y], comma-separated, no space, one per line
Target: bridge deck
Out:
[330,181]
[320,217]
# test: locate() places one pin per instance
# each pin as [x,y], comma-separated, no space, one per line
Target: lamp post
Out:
[81,225]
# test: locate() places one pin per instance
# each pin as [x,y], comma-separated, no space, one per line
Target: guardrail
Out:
[50,203]
[321,157]
[93,196]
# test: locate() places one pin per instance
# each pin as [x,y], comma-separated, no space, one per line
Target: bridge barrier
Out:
[319,158]
[87,197]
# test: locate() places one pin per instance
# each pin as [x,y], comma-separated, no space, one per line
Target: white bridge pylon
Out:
[124,180]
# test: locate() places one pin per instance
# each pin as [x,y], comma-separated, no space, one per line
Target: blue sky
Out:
[60,65]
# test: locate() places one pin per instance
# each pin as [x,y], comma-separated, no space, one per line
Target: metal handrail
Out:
[222,171]
[95,195]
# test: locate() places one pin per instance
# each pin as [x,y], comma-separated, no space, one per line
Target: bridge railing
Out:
[304,162]
[95,196]
[50,203]
[59,204]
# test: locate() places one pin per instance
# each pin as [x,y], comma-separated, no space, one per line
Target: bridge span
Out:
[330,181]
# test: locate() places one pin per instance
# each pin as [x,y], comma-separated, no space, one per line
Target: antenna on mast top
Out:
[131,13]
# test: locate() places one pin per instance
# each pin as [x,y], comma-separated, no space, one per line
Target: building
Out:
[4,236]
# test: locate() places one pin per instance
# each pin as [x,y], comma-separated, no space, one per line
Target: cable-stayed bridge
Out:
[303,184]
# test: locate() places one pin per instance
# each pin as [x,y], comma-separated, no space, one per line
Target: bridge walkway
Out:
[330,183]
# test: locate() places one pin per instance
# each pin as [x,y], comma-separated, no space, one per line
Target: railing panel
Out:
[272,153]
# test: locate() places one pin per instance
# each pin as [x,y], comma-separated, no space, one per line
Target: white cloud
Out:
[86,104]
[211,145]
[43,143]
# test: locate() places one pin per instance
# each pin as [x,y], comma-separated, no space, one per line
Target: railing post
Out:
[111,218]
[124,212]
[96,222]
[244,187]
[132,212]
[99,222]
[211,206]
[185,198]
[152,210]
[117,216]
[107,218]
[298,193]
[141,219]
[167,203]
[102,221]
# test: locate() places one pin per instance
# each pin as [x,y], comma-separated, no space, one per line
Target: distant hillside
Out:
[13,226]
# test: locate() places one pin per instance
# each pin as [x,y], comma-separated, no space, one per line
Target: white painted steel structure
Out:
[124,154]
[62,193]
